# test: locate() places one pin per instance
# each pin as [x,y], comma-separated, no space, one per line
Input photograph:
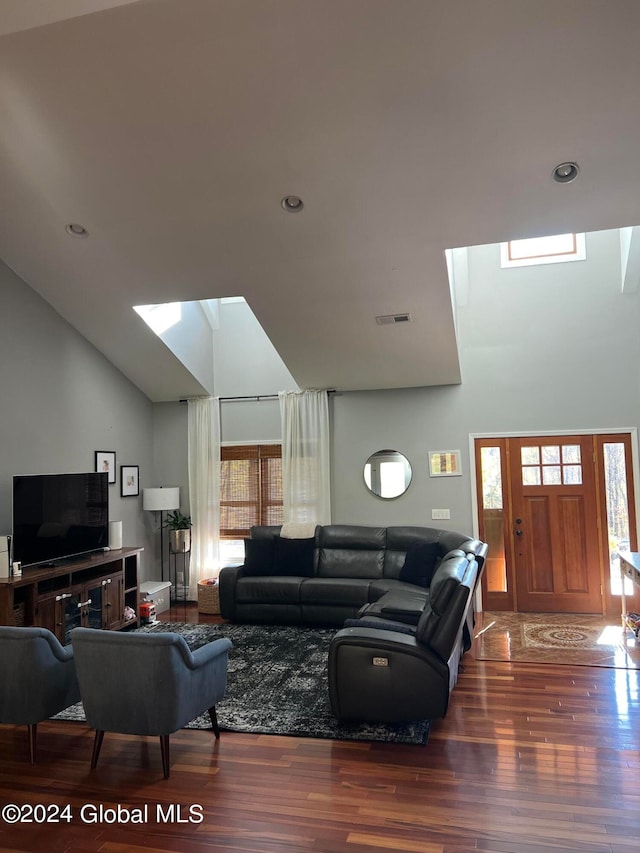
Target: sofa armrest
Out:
[380,624]
[385,676]
[227,580]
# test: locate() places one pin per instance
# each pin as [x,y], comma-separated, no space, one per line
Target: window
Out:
[543,250]
[492,517]
[250,488]
[551,465]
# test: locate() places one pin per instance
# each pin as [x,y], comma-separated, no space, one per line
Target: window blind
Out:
[250,488]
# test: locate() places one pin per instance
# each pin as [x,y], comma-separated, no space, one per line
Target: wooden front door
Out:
[555,524]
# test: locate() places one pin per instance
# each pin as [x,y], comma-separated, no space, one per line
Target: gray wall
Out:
[547,348]
[62,401]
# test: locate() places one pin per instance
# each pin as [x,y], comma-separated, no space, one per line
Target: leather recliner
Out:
[381,670]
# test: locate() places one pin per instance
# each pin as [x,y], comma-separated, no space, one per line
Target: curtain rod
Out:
[255,397]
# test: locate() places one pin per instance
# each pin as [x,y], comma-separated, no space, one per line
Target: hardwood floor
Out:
[577,638]
[531,758]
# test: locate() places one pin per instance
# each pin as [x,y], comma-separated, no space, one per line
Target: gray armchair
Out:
[37,678]
[147,684]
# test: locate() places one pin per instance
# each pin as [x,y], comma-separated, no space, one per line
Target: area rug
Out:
[277,684]
[572,639]
[545,636]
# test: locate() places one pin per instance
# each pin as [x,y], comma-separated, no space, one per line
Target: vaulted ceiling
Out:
[172,129]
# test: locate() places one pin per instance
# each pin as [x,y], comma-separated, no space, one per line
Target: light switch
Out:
[440,514]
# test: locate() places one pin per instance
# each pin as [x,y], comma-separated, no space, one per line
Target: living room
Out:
[538,349]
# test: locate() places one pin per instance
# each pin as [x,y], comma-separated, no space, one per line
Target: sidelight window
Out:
[492,517]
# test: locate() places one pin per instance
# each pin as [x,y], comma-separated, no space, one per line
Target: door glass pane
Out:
[551,455]
[572,475]
[491,477]
[570,453]
[72,615]
[615,480]
[492,516]
[551,475]
[530,455]
[94,608]
[531,476]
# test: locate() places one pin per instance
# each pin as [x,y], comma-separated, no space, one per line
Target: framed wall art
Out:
[444,463]
[106,462]
[129,480]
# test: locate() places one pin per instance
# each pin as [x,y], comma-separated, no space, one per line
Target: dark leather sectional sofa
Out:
[403,594]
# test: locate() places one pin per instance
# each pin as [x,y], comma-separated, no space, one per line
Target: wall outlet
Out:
[440,514]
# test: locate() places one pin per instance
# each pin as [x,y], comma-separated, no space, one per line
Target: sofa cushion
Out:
[420,563]
[293,557]
[258,557]
[269,590]
[350,551]
[401,605]
[346,591]
[381,587]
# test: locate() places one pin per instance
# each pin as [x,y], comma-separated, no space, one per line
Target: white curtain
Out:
[305,456]
[204,489]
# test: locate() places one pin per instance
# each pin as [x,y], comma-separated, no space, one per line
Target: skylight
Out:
[543,250]
[160,317]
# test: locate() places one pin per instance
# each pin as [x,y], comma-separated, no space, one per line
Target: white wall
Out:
[191,341]
[62,401]
[245,360]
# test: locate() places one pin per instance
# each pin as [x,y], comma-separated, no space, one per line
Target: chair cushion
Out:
[258,557]
[420,563]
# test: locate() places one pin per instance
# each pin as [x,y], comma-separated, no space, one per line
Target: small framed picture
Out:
[129,480]
[444,463]
[106,462]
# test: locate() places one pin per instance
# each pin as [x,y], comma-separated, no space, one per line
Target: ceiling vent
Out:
[391,319]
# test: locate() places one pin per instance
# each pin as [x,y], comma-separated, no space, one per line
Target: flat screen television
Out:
[57,516]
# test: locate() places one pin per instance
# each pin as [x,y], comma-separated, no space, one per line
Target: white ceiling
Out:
[171,129]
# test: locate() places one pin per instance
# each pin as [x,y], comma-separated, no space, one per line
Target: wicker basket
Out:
[19,615]
[208,597]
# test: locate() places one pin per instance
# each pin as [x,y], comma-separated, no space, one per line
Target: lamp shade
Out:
[157,500]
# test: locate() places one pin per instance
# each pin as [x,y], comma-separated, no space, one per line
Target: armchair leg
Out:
[214,722]
[33,732]
[97,743]
[164,747]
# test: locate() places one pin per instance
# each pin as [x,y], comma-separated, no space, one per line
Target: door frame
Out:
[635,465]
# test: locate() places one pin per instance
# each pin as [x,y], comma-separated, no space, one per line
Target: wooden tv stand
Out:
[90,591]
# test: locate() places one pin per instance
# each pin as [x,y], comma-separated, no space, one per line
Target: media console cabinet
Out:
[91,592]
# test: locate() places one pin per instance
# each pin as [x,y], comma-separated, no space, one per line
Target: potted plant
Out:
[179,526]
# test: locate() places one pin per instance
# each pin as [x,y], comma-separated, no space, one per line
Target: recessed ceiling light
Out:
[565,172]
[76,230]
[292,203]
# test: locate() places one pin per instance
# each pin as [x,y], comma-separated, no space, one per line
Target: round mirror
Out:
[387,474]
